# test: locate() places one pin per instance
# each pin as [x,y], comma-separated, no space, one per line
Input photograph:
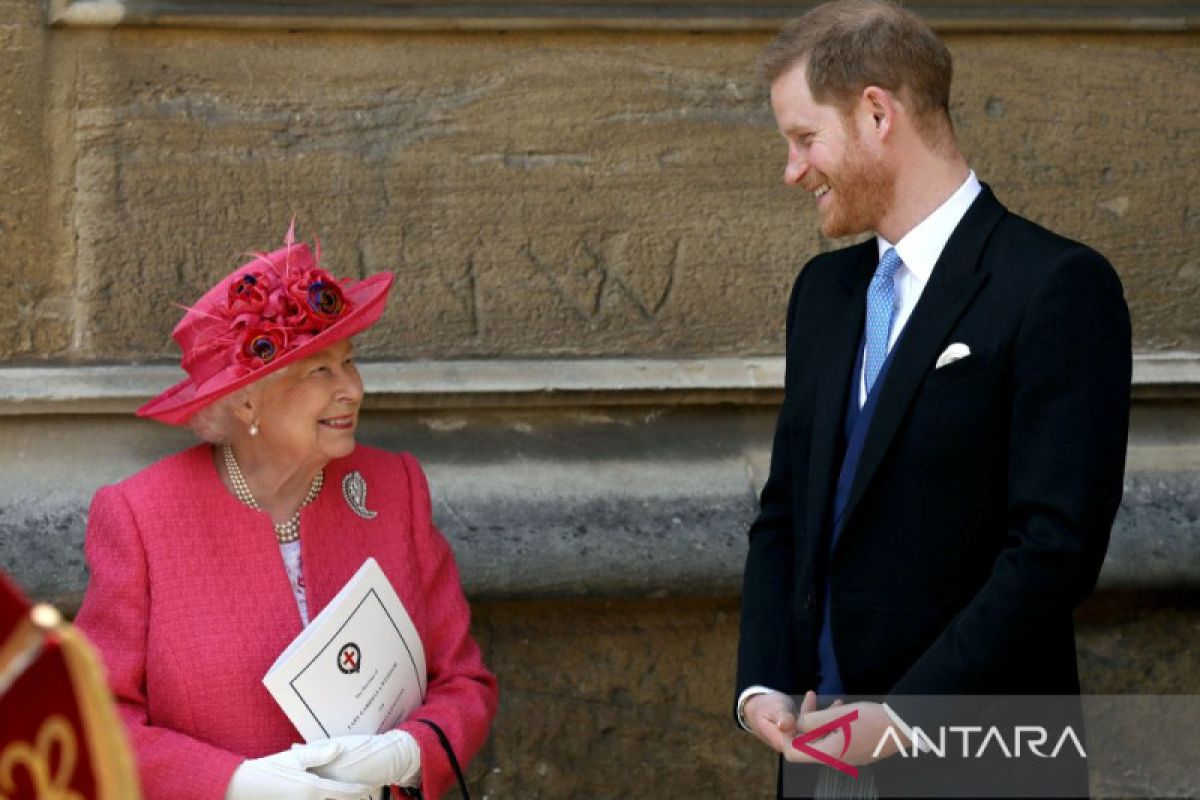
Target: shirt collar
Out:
[921,247]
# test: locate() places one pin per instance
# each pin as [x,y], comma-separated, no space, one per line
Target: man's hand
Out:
[865,734]
[772,718]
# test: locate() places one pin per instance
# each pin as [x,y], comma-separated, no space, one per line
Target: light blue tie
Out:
[881,308]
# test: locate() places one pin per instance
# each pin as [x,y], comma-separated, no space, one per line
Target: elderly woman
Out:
[207,564]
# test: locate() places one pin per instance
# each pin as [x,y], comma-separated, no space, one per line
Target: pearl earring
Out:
[254,429]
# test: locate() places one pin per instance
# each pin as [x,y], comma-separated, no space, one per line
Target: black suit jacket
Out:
[982,504]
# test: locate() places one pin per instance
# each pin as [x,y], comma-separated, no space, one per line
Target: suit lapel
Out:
[835,354]
[952,285]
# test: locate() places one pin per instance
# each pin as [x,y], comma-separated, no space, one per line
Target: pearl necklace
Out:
[286,531]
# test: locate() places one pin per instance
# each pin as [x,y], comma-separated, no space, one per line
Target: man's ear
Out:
[879,110]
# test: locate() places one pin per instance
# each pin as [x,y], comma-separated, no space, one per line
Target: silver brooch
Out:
[354,489]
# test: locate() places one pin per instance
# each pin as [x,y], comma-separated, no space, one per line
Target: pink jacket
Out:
[189,604]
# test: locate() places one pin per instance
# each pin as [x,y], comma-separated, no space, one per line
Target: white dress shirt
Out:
[919,249]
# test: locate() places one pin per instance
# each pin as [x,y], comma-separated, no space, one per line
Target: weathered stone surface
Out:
[539,194]
[1156,533]
[35,281]
[616,502]
[521,200]
[1084,134]
[617,699]
[1140,643]
[1137,644]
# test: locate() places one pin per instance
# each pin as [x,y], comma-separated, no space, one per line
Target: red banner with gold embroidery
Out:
[60,737]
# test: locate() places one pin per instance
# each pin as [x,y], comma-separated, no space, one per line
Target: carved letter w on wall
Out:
[600,272]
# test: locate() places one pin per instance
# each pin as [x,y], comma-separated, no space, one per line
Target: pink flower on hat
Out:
[277,309]
[319,295]
[248,293]
[261,344]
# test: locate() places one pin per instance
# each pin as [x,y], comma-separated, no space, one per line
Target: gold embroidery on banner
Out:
[102,732]
[55,730]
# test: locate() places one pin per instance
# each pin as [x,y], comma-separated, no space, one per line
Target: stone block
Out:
[617,699]
[547,194]
[1133,642]
[36,274]
[1084,134]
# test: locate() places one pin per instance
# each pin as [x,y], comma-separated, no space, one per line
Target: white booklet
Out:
[359,667]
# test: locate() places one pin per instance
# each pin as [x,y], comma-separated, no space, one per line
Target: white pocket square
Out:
[954,352]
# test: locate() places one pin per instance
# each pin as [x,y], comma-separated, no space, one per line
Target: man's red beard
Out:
[861,193]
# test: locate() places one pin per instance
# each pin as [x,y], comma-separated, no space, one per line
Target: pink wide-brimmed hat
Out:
[272,311]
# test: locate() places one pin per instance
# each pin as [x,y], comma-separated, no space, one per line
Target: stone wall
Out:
[538,193]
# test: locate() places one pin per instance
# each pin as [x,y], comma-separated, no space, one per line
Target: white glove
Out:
[380,760]
[286,776]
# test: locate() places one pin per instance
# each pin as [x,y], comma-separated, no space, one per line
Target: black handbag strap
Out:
[414,792]
[458,773]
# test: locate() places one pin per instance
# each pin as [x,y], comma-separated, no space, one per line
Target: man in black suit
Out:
[949,456]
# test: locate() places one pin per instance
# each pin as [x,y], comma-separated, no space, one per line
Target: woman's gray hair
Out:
[217,422]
